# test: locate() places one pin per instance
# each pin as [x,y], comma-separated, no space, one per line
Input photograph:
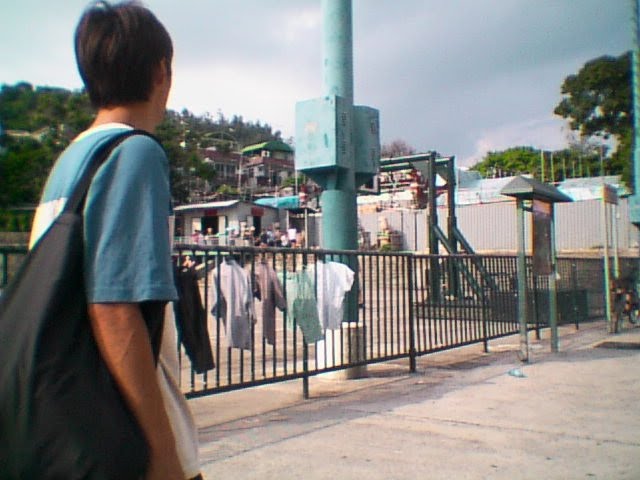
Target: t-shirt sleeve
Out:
[342,275]
[128,257]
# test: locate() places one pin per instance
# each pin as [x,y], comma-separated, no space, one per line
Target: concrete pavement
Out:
[463,415]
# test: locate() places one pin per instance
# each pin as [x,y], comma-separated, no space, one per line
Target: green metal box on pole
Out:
[323,136]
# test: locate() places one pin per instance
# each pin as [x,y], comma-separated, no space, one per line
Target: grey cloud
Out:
[442,72]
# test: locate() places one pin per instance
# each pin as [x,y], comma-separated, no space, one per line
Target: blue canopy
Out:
[279,202]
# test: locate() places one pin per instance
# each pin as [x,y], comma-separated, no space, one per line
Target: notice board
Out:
[542,262]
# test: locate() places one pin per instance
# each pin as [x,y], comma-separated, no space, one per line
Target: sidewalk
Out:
[463,415]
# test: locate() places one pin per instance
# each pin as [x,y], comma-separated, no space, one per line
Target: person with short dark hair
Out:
[124,56]
[119,50]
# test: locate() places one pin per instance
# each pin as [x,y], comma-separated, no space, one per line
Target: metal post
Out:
[607,267]
[635,65]
[338,143]
[412,314]
[574,289]
[305,369]
[306,228]
[553,290]
[522,287]
[614,235]
[634,201]
[339,208]
[415,231]
[338,200]
[434,266]
[338,49]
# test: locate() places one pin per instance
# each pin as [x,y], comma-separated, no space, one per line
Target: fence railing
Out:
[11,257]
[404,306]
[264,315]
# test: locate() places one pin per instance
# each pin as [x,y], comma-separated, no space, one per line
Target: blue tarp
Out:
[280,202]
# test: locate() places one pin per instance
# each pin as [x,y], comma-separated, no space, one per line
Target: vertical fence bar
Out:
[422,298]
[285,316]
[574,293]
[385,302]
[5,269]
[536,304]
[305,369]
[252,287]
[367,306]
[378,313]
[412,322]
[484,309]
[370,305]
[395,345]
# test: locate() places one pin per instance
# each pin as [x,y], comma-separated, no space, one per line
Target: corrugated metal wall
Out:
[491,227]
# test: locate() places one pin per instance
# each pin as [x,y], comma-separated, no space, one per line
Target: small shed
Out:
[222,218]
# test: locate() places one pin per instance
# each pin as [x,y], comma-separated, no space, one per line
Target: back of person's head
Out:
[118,49]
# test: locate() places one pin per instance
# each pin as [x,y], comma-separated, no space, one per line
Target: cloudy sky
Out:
[458,76]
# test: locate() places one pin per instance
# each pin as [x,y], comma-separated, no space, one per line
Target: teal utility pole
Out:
[338,200]
[337,143]
[634,201]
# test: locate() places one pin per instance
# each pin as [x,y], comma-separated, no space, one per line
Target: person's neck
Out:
[136,115]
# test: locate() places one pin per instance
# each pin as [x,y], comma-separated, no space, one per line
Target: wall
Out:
[491,227]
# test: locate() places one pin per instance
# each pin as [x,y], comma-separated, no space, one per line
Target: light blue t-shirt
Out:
[127,248]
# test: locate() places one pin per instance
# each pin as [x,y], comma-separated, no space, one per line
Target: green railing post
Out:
[574,290]
[485,320]
[305,370]
[412,318]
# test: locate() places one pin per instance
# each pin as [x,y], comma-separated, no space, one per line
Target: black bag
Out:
[61,414]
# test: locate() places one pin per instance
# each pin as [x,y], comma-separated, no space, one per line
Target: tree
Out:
[581,159]
[24,166]
[48,118]
[597,102]
[397,148]
[513,161]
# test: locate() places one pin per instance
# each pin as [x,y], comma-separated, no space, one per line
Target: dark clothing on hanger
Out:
[191,320]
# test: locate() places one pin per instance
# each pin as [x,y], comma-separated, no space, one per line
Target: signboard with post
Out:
[609,228]
[538,198]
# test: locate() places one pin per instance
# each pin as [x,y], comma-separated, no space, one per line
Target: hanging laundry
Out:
[231,298]
[302,308]
[191,319]
[333,281]
[271,297]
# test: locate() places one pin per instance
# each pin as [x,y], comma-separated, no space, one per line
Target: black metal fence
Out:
[404,306]
[11,257]
[264,315]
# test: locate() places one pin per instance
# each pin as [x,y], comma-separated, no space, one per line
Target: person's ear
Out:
[163,72]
